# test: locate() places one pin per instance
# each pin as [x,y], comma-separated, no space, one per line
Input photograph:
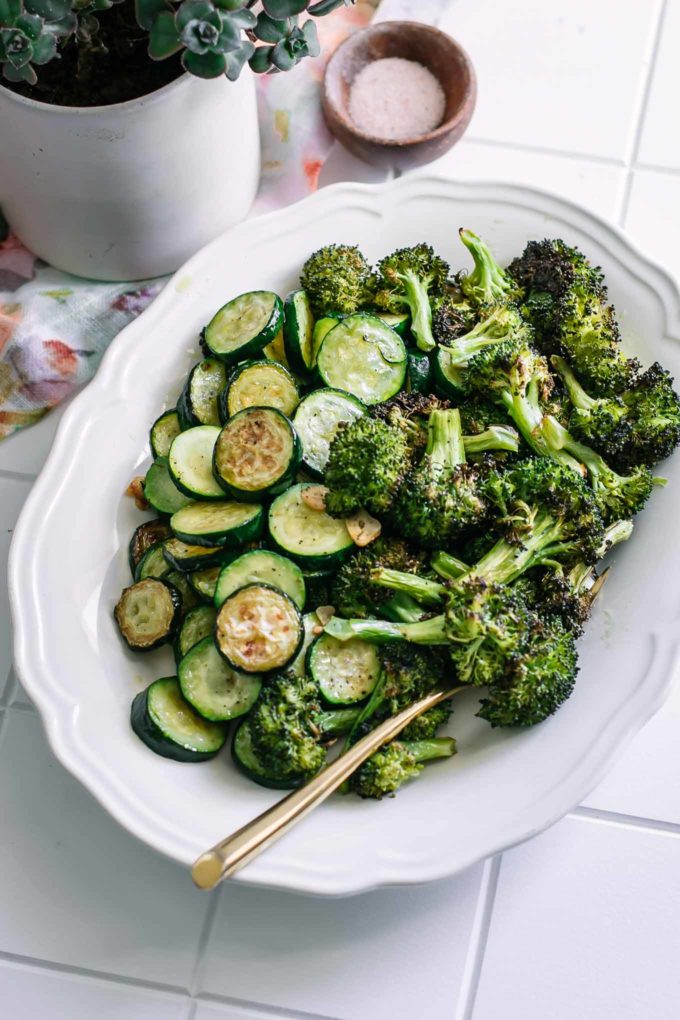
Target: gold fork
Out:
[232,853]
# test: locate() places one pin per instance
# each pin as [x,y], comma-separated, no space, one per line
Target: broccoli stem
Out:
[401,608]
[445,438]
[487,282]
[425,632]
[428,750]
[527,414]
[619,531]
[496,437]
[419,588]
[577,394]
[338,722]
[418,301]
[449,567]
[602,477]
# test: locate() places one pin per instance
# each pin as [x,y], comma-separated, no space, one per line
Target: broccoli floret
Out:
[367,463]
[619,496]
[639,426]
[410,278]
[565,300]
[284,727]
[487,284]
[570,594]
[477,415]
[337,278]
[408,674]
[502,323]
[387,769]
[319,588]
[442,497]
[519,378]
[538,681]
[482,626]
[353,592]
[452,315]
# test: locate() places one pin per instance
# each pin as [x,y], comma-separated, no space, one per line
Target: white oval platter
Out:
[69,562]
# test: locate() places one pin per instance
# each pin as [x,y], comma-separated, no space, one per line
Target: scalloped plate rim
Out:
[652,689]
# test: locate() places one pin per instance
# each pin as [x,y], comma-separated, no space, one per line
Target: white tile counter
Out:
[583,922]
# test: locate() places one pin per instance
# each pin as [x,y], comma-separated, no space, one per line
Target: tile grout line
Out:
[624,820]
[642,115]
[87,973]
[545,150]
[204,937]
[262,1008]
[478,939]
[32,963]
[654,168]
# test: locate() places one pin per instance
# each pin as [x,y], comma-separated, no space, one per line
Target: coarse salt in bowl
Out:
[387,118]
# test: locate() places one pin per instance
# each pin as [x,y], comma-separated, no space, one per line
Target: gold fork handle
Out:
[227,857]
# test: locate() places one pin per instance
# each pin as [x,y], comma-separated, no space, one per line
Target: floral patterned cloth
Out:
[54,327]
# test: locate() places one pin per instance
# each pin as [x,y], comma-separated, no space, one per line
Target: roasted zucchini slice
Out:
[215,690]
[198,404]
[259,629]
[228,523]
[143,537]
[259,384]
[169,726]
[262,566]
[244,326]
[148,613]
[257,453]
[163,431]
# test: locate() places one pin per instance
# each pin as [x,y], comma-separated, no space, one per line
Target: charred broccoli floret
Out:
[337,278]
[538,681]
[386,770]
[502,323]
[452,316]
[619,496]
[442,496]
[639,426]
[566,302]
[411,278]
[284,727]
[487,284]
[483,626]
[367,463]
[352,590]
[408,674]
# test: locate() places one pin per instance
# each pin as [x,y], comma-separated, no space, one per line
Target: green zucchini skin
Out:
[364,357]
[316,421]
[447,381]
[152,564]
[260,661]
[419,372]
[237,346]
[261,566]
[271,385]
[143,537]
[346,673]
[204,582]
[225,534]
[246,762]
[190,463]
[253,423]
[198,402]
[160,489]
[298,332]
[186,558]
[165,428]
[199,623]
[215,690]
[169,602]
[161,742]
[292,527]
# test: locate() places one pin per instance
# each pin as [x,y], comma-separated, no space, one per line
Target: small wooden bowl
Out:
[447,61]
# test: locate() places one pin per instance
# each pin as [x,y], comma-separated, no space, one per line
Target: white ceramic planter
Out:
[130,191]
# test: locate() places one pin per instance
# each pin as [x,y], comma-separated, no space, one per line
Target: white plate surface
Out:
[69,562]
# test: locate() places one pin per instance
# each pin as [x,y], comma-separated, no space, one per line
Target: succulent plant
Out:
[215,37]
